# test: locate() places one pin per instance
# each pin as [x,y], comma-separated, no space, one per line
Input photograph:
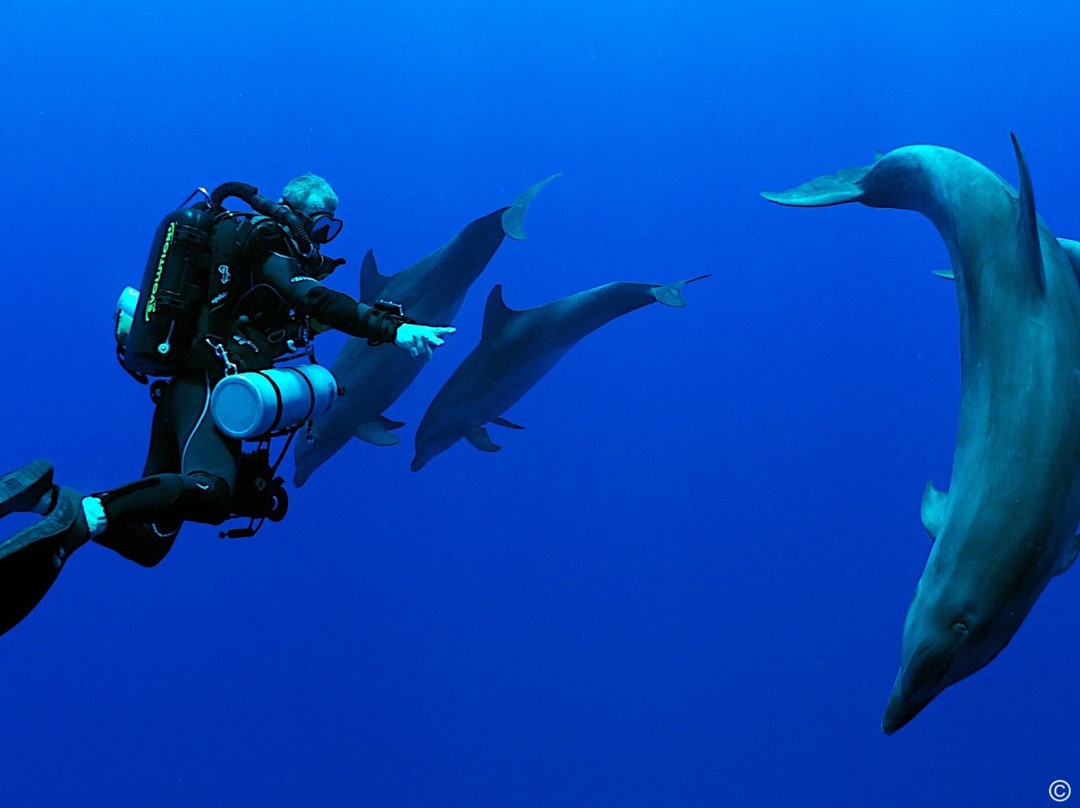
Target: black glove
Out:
[330,264]
[321,266]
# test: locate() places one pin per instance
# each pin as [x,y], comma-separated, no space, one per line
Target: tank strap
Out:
[279,404]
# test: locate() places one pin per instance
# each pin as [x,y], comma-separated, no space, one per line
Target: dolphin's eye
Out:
[960,627]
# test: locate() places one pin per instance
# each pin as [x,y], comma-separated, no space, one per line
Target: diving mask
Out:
[324,228]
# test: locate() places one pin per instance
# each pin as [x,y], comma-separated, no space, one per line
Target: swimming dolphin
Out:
[516,349]
[1006,525]
[431,291]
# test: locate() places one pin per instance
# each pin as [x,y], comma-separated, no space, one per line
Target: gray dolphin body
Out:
[431,291]
[1006,525]
[516,350]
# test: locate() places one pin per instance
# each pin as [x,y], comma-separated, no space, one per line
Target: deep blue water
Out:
[685,582]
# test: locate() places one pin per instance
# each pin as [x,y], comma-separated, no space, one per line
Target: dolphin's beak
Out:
[898,711]
[908,701]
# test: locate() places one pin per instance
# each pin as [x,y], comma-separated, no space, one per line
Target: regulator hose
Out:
[280,213]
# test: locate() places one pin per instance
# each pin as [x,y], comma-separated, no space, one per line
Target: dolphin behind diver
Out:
[430,291]
[517,348]
[1006,525]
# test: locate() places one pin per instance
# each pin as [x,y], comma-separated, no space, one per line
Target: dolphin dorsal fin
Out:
[1028,224]
[933,509]
[372,282]
[496,314]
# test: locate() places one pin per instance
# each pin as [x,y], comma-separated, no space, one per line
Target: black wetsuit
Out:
[191,467]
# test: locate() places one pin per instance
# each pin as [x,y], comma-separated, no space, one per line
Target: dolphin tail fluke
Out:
[1028,226]
[932,511]
[671,295]
[377,432]
[513,218]
[832,189]
[480,438]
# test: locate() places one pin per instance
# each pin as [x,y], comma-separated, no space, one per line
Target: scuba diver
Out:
[225,295]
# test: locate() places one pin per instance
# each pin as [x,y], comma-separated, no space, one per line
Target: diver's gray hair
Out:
[309,193]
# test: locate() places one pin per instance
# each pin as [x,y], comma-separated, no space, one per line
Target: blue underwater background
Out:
[684,583]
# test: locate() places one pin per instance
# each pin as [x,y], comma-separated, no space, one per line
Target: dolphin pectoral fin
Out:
[933,509]
[480,438]
[372,282]
[390,423]
[1028,222]
[832,189]
[513,218]
[671,295]
[375,432]
[947,274]
[1072,252]
[504,422]
[1068,556]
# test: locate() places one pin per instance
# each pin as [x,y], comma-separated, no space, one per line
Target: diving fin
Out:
[31,560]
[64,529]
[23,488]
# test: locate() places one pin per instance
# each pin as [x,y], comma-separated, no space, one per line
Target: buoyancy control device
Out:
[157,323]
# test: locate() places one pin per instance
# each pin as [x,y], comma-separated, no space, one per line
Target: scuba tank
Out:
[156,325]
[262,403]
[165,315]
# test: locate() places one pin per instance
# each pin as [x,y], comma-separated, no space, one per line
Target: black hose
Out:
[241,190]
[282,214]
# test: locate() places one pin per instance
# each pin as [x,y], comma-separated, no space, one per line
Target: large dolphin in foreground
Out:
[516,349]
[1006,525]
[431,291]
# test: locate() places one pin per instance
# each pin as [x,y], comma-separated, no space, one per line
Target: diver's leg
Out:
[147,543]
[201,491]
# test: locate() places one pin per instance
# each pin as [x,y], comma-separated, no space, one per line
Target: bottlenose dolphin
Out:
[516,349]
[431,291]
[1006,525]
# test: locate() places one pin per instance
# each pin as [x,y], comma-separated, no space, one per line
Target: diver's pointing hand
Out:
[421,340]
